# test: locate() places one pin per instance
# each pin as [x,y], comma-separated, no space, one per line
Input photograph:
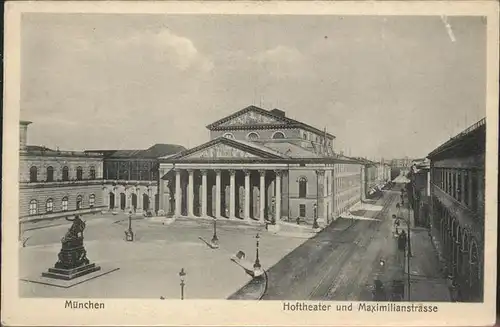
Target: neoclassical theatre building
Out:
[261,165]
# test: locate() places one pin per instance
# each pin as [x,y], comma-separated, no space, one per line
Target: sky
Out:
[386,87]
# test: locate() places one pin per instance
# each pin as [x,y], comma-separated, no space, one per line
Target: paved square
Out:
[149,266]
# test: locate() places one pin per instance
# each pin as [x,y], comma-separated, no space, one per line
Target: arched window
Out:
[79,202]
[92,172]
[49,206]
[253,136]
[33,174]
[65,173]
[33,207]
[278,135]
[304,136]
[302,187]
[50,174]
[79,173]
[64,206]
[91,200]
[229,135]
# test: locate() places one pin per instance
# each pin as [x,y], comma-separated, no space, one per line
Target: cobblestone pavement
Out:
[149,266]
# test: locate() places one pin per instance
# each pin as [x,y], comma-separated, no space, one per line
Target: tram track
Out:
[338,262]
[313,269]
[361,264]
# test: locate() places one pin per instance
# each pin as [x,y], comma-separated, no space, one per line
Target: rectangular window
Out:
[459,186]
[302,210]
[50,206]
[33,207]
[474,189]
[466,187]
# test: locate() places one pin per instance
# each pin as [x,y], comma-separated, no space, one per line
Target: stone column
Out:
[278,196]
[232,188]
[178,193]
[191,193]
[217,193]
[247,194]
[469,188]
[105,197]
[320,176]
[117,199]
[139,198]
[161,190]
[262,195]
[204,193]
[325,196]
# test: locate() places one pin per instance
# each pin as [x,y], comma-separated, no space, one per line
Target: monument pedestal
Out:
[73,262]
[69,274]
[73,267]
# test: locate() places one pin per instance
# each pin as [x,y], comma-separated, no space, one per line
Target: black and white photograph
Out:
[319,162]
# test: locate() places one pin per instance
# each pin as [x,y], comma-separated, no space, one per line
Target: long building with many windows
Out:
[55,183]
[457,203]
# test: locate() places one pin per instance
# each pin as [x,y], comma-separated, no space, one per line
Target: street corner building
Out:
[262,166]
[457,192]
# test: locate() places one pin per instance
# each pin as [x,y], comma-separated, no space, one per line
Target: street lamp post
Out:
[408,253]
[256,266]
[182,274]
[215,240]
[129,234]
[315,212]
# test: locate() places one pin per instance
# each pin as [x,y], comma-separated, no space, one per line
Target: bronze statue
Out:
[75,231]
[73,253]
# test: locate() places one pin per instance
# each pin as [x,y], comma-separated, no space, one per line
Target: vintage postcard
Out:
[250,163]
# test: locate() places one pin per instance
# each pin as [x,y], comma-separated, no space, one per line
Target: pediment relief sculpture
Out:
[251,118]
[221,151]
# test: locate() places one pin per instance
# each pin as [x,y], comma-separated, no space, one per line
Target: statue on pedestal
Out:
[72,259]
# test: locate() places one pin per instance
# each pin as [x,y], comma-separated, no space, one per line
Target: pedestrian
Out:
[379,293]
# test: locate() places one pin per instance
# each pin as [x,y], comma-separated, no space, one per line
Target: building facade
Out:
[418,191]
[130,178]
[457,203]
[260,165]
[55,183]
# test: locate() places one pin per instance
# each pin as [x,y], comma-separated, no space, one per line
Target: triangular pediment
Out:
[220,151]
[249,116]
[223,148]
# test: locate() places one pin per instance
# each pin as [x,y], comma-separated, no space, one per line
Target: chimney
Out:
[278,112]
[23,134]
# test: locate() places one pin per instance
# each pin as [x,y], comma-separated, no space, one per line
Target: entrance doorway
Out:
[122,201]
[111,200]
[145,202]
[157,202]
[134,201]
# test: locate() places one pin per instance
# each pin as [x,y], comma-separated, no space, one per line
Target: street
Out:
[341,262]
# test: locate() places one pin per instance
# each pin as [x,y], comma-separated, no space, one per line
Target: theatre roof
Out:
[224,149]
[253,116]
[155,151]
